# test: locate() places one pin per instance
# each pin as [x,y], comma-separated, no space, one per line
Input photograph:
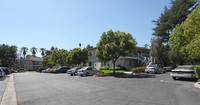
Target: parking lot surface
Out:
[3,83]
[140,89]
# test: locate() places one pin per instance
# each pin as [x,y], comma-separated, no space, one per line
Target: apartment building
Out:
[31,62]
[129,61]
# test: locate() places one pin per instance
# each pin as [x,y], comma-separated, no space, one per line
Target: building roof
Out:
[31,58]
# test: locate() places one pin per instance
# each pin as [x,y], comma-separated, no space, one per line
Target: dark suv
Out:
[61,70]
[6,70]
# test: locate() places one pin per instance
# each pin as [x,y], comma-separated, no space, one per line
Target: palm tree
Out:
[24,51]
[79,44]
[42,50]
[33,50]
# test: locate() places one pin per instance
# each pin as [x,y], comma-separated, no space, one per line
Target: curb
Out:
[9,96]
[197,85]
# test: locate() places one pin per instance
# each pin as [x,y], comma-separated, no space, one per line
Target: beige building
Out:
[130,61]
[31,63]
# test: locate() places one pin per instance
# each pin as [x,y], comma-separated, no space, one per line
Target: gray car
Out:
[2,73]
[154,68]
[87,71]
[73,71]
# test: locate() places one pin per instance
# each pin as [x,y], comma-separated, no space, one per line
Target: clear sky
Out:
[66,23]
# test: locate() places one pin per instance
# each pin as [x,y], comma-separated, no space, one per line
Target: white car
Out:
[46,70]
[154,68]
[87,71]
[183,71]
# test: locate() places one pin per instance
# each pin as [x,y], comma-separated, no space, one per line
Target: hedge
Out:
[116,68]
[138,70]
[197,72]
[104,68]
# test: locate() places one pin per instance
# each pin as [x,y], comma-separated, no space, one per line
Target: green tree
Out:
[24,51]
[48,52]
[33,50]
[58,57]
[185,38]
[112,45]
[78,56]
[42,50]
[177,40]
[80,45]
[176,14]
[8,55]
[46,62]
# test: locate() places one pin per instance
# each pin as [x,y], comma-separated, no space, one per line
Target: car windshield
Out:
[84,68]
[185,68]
[152,65]
[74,68]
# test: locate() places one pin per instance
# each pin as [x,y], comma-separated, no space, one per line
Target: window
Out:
[90,63]
[90,53]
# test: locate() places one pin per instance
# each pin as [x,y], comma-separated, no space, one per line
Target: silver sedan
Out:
[87,71]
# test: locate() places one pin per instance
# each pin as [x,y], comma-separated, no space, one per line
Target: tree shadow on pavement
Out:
[187,79]
[137,76]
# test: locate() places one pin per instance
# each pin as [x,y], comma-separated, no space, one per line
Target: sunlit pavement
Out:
[140,89]
[3,83]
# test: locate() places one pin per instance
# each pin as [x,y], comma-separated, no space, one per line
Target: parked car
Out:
[183,71]
[154,68]
[61,70]
[45,70]
[73,71]
[6,70]
[2,73]
[40,69]
[86,71]
[170,67]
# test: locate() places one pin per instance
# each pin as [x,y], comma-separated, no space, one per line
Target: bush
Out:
[22,70]
[104,68]
[122,67]
[116,68]
[138,70]
[197,72]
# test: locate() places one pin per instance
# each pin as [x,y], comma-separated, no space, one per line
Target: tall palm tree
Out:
[79,44]
[42,50]
[24,51]
[33,50]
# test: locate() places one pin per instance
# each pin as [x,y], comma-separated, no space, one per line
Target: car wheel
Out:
[156,72]
[87,74]
[57,71]
[71,74]
[174,78]
[164,71]
[147,72]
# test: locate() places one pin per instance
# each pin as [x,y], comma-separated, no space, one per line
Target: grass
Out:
[111,71]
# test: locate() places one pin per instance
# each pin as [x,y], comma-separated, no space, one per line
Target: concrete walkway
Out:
[9,96]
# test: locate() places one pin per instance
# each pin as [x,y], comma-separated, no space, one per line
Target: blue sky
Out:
[66,23]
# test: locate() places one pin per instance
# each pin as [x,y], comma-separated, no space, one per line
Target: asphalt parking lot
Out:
[142,89]
[3,83]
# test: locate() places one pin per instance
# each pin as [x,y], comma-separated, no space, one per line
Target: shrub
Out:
[116,68]
[197,72]
[123,68]
[138,70]
[104,68]
[22,70]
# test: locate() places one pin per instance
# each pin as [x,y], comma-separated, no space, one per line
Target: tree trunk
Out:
[114,67]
